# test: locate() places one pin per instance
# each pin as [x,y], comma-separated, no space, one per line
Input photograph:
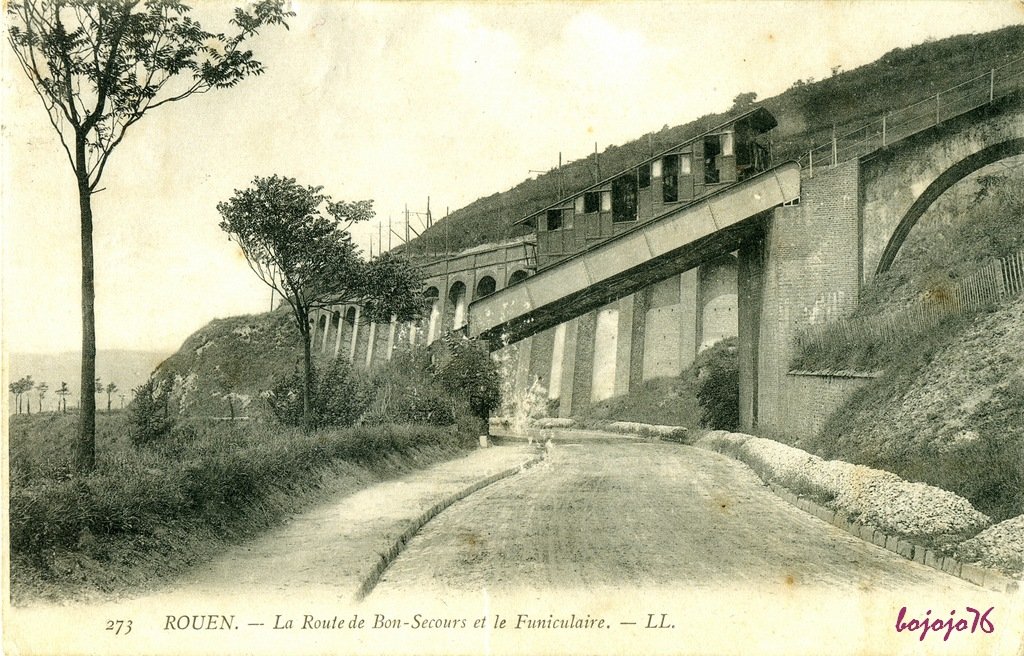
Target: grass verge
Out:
[147,514]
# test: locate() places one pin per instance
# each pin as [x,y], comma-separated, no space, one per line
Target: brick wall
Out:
[811,275]
[809,400]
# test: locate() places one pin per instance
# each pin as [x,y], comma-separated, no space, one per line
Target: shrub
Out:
[718,386]
[342,395]
[467,373]
[285,397]
[148,415]
[407,393]
[339,396]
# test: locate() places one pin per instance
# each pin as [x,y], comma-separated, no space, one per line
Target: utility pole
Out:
[408,250]
[389,232]
[561,184]
[380,242]
[597,161]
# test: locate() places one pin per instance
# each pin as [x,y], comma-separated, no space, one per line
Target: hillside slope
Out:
[241,355]
[951,415]
[806,112]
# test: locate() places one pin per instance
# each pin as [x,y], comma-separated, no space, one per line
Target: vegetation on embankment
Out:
[149,513]
[948,408]
[244,355]
[705,394]
[806,112]
[949,412]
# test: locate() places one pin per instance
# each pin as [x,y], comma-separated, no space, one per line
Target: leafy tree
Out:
[110,389]
[41,390]
[18,388]
[63,393]
[25,385]
[744,100]
[468,373]
[296,241]
[99,66]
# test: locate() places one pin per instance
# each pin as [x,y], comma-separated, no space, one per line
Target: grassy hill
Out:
[806,113]
[241,354]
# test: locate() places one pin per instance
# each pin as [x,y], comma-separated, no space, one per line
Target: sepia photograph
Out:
[542,327]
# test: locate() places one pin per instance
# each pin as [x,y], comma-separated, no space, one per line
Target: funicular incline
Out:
[669,244]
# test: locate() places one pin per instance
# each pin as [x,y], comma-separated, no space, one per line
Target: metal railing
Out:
[902,123]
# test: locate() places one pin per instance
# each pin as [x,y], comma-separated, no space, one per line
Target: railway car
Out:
[724,155]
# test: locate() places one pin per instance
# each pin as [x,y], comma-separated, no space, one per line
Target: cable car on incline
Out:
[722,156]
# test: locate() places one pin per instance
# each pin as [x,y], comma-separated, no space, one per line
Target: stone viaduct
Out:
[800,262]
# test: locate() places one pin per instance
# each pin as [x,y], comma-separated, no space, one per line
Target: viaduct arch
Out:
[900,182]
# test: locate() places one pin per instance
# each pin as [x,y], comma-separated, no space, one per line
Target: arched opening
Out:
[485,287]
[434,323]
[518,276]
[321,331]
[347,329]
[331,340]
[954,174]
[457,304]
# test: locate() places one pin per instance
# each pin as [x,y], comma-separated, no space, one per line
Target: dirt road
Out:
[640,514]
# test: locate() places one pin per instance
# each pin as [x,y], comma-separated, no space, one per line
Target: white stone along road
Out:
[640,514]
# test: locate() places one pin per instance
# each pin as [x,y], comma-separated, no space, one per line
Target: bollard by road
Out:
[483,442]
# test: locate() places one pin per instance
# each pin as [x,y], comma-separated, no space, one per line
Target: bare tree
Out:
[99,66]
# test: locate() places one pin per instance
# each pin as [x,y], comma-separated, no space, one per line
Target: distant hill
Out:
[806,113]
[127,369]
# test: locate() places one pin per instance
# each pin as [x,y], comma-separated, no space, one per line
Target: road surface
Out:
[640,514]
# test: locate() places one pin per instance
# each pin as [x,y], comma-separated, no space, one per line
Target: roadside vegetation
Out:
[704,395]
[171,490]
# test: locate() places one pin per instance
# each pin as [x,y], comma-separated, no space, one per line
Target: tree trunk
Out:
[307,381]
[108,404]
[85,454]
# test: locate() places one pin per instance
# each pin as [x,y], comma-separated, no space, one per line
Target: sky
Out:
[395,102]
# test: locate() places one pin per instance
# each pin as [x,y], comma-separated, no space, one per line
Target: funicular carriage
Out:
[722,156]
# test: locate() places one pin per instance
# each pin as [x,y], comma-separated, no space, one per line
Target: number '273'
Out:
[119,627]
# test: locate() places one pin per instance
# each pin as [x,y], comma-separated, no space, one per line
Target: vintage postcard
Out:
[512,328]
